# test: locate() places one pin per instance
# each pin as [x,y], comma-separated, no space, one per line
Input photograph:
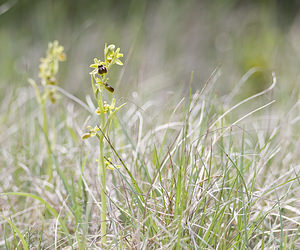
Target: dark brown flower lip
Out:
[109,88]
[102,69]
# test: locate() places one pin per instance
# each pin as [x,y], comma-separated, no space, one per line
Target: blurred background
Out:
[163,43]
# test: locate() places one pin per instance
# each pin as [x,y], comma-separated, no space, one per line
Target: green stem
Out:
[102,175]
[45,128]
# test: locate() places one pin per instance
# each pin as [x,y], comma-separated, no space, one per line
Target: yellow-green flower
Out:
[107,107]
[112,56]
[49,64]
[97,63]
[109,165]
[90,133]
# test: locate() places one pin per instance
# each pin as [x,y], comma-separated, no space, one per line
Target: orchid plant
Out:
[106,113]
[48,70]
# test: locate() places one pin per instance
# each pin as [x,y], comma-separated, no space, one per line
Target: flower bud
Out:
[98,111]
[109,88]
[111,47]
[85,136]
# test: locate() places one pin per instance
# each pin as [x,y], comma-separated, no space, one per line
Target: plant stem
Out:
[102,175]
[45,128]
